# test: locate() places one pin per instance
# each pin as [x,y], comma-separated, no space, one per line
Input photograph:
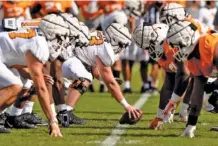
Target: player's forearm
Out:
[116,93]
[44,97]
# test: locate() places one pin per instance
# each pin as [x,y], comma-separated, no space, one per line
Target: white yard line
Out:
[117,132]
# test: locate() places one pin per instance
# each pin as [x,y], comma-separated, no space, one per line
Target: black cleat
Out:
[32,118]
[63,118]
[18,122]
[214,128]
[154,89]
[74,119]
[145,90]
[91,88]
[3,129]
[101,89]
[66,118]
[127,90]
[3,117]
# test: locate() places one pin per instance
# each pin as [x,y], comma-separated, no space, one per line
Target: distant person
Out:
[207,14]
[193,8]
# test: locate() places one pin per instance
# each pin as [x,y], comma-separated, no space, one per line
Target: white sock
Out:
[149,79]
[60,107]
[175,98]
[68,108]
[15,111]
[127,85]
[146,85]
[160,113]
[28,107]
[53,109]
[102,82]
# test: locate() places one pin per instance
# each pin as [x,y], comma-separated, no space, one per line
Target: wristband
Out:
[53,121]
[124,103]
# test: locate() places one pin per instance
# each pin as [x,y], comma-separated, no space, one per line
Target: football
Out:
[125,119]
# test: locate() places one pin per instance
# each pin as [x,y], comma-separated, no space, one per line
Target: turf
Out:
[103,113]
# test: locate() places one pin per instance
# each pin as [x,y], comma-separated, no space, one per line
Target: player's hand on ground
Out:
[55,130]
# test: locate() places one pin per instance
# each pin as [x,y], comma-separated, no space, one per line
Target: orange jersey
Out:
[167,63]
[54,6]
[87,12]
[111,6]
[204,65]
[15,9]
[181,2]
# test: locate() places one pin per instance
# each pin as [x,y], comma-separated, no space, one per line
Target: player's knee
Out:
[81,85]
[16,89]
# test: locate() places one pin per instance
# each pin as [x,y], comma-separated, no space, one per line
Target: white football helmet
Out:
[118,36]
[84,35]
[60,30]
[151,38]
[171,13]
[183,35]
[134,8]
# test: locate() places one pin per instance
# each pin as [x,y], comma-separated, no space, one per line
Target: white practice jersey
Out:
[14,45]
[97,47]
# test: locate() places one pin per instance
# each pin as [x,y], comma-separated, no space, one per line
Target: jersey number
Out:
[25,35]
[96,40]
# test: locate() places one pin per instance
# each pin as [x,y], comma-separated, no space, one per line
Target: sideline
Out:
[119,130]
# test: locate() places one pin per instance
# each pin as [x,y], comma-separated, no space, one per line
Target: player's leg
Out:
[10,87]
[154,75]
[75,70]
[183,113]
[165,94]
[196,105]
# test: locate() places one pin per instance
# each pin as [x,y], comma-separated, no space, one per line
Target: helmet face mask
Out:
[151,38]
[155,51]
[183,36]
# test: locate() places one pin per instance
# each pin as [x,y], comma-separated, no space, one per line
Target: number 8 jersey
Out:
[14,45]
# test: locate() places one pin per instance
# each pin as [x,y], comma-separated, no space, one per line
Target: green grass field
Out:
[103,113]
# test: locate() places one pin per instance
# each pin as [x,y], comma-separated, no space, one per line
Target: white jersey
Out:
[97,47]
[207,16]
[14,45]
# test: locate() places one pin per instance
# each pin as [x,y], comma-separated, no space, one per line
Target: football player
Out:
[92,14]
[97,59]
[153,39]
[18,9]
[42,8]
[32,48]
[200,54]
[170,14]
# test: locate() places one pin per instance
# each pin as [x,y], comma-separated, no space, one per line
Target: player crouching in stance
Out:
[31,48]
[153,39]
[96,60]
[200,54]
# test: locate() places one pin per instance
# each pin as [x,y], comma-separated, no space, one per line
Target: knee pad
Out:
[80,87]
